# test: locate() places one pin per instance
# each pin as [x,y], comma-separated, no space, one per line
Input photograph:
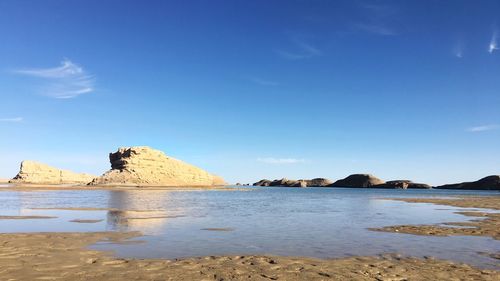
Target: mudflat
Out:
[63,256]
[487,224]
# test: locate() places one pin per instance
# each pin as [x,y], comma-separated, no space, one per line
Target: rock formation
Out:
[263,182]
[486,183]
[318,182]
[284,182]
[414,185]
[402,184]
[145,166]
[358,180]
[38,173]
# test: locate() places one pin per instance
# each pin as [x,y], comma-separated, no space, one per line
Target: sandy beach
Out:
[65,256]
[62,256]
[486,224]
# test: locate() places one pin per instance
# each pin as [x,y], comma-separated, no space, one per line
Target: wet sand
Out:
[25,217]
[85,221]
[486,224]
[63,256]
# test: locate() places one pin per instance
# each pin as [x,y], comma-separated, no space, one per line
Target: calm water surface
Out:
[317,222]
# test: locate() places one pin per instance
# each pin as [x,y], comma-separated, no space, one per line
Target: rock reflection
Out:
[144,211]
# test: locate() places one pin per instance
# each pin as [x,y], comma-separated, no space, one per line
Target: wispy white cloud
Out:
[68,80]
[458,50]
[483,128]
[375,18]
[301,50]
[378,9]
[14,119]
[263,82]
[493,42]
[272,160]
[376,28]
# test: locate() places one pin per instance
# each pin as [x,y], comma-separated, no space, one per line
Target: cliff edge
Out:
[33,172]
[143,166]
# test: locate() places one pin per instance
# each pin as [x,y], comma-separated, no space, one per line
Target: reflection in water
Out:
[146,212]
[314,222]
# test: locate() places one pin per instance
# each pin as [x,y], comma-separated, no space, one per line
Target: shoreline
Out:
[485,224]
[65,256]
[37,187]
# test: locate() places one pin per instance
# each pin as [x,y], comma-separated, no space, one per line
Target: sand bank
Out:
[62,256]
[25,217]
[487,224]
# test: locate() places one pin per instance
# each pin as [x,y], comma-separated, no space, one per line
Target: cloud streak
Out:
[302,50]
[378,29]
[279,161]
[493,42]
[263,82]
[12,120]
[375,18]
[458,50]
[483,128]
[66,81]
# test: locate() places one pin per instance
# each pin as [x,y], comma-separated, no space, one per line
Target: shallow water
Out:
[317,222]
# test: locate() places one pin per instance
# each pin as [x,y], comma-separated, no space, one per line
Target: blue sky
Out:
[255,89]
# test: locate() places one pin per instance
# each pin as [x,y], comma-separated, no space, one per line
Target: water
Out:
[316,222]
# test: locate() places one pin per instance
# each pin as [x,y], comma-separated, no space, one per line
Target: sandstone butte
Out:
[39,173]
[144,166]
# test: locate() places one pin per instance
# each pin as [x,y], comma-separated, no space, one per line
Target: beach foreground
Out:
[64,256]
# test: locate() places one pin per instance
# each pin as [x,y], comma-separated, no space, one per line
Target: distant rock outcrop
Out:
[402,184]
[263,182]
[281,182]
[145,166]
[318,182]
[486,183]
[39,173]
[358,180]
[284,182]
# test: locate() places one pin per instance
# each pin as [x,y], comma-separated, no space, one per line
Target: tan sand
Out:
[76,209]
[85,221]
[487,225]
[62,256]
[25,217]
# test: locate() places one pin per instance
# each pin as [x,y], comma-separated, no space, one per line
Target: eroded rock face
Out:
[143,166]
[486,183]
[402,184]
[284,182]
[318,182]
[263,182]
[358,180]
[39,173]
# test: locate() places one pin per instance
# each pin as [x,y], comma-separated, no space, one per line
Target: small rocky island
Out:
[32,172]
[486,183]
[144,166]
[134,166]
[370,181]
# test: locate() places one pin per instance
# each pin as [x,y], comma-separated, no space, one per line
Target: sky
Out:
[255,89]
